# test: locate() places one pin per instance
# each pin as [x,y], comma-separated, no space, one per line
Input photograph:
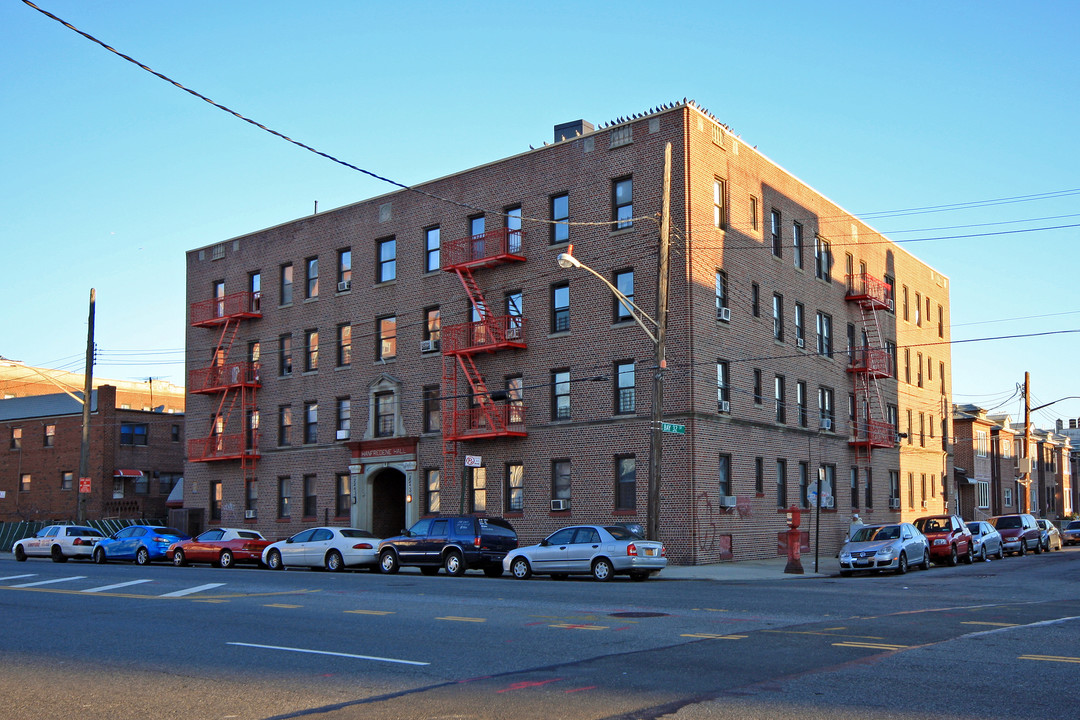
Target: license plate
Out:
[650,552]
[862,562]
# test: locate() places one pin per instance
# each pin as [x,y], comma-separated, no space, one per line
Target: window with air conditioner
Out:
[559,505]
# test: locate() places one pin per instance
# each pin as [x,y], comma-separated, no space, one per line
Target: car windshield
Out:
[620,533]
[928,525]
[168,531]
[1007,522]
[353,533]
[884,532]
[975,528]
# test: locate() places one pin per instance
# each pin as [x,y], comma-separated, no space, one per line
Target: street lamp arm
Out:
[568,261]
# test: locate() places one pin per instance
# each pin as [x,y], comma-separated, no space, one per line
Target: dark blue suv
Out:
[455,543]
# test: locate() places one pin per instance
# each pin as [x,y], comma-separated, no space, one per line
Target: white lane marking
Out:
[193,590]
[103,588]
[327,652]
[16,577]
[49,582]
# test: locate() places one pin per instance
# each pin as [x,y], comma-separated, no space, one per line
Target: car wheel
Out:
[982,554]
[142,556]
[1023,548]
[99,557]
[969,556]
[1001,551]
[273,561]
[925,559]
[952,557]
[388,562]
[429,570]
[454,564]
[602,570]
[901,564]
[57,554]
[334,562]
[226,560]
[520,568]
[639,576]
[178,558]
[493,571]
[1038,548]
[20,554]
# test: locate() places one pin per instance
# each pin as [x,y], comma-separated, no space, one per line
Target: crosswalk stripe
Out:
[17,577]
[103,588]
[50,582]
[192,590]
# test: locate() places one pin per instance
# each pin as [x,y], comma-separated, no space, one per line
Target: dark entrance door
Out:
[388,503]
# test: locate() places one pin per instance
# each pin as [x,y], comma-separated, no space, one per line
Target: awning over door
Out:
[123,473]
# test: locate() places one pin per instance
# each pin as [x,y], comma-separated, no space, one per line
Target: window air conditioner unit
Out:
[249,514]
[826,424]
[342,434]
[894,503]
[723,406]
[828,502]
[513,332]
[800,342]
[728,501]
[557,505]
[427,346]
[724,314]
[344,285]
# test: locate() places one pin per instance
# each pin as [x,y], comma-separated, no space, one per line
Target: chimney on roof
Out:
[570,130]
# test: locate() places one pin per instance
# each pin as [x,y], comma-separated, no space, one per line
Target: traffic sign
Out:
[673,428]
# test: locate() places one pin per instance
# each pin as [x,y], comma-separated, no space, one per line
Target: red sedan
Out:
[223,547]
[949,538]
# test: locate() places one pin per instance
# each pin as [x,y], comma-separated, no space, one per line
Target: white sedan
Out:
[59,542]
[598,550]
[333,548]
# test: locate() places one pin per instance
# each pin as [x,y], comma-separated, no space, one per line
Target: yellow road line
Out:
[371,612]
[283,605]
[975,622]
[462,619]
[827,634]
[1050,658]
[714,637]
[571,626]
[871,646]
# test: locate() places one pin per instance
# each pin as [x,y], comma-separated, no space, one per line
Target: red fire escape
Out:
[868,364]
[233,383]
[477,412]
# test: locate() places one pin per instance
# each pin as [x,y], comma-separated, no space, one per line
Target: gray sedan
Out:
[885,547]
[600,550]
[987,540]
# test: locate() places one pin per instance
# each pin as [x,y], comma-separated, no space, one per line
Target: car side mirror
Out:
[405,532]
[544,543]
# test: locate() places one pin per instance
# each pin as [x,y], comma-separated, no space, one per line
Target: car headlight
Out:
[885,552]
[940,541]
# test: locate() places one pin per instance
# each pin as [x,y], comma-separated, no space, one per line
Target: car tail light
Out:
[631,549]
[476,541]
[663,551]
[78,541]
[363,546]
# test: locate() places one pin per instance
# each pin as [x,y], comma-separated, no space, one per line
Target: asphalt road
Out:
[84,641]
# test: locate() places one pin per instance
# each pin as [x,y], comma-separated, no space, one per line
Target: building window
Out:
[67,480]
[778,317]
[774,229]
[133,433]
[560,307]
[432,409]
[255,283]
[344,269]
[625,399]
[431,485]
[854,481]
[753,212]
[515,487]
[918,309]
[781,401]
[719,214]
[344,345]
[16,438]
[781,483]
[49,437]
[1008,497]
[215,501]
[922,429]
[918,369]
[311,353]
[310,497]
[515,399]
[386,268]
[285,355]
[343,495]
[286,284]
[622,198]
[344,418]
[385,411]
[560,395]
[801,402]
[560,480]
[251,499]
[312,278]
[980,443]
[723,386]
[284,510]
[758,396]
[432,245]
[24,482]
[824,334]
[625,482]
[386,348]
[894,490]
[311,423]
[755,299]
[869,490]
[940,321]
[797,244]
[432,324]
[560,217]
[804,484]
[826,409]
[800,325]
[624,282]
[724,476]
[759,476]
[721,293]
[822,259]
[284,425]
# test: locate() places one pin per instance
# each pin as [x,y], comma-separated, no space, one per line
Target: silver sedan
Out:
[987,540]
[333,548]
[885,547]
[598,550]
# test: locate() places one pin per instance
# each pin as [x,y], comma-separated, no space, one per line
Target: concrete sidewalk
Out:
[745,570]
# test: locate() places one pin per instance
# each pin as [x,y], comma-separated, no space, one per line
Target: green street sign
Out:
[673,428]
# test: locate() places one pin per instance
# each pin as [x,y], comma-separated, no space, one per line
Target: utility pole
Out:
[1026,481]
[656,445]
[88,386]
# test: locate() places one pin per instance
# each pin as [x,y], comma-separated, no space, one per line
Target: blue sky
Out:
[110,174]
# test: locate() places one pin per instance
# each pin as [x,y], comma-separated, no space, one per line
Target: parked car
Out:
[1071,534]
[1019,532]
[454,543]
[949,538]
[223,547]
[59,542]
[600,550]
[987,540]
[333,548]
[1051,536]
[885,547]
[141,543]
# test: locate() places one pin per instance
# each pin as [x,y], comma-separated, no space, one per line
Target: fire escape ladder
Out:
[448,413]
[486,415]
[872,328]
[870,363]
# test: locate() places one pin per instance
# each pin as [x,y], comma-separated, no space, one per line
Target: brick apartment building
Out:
[136,458]
[422,352]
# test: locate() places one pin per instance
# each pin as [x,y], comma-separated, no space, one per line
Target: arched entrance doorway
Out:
[388,503]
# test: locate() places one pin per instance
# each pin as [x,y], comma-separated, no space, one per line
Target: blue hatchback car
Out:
[141,543]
